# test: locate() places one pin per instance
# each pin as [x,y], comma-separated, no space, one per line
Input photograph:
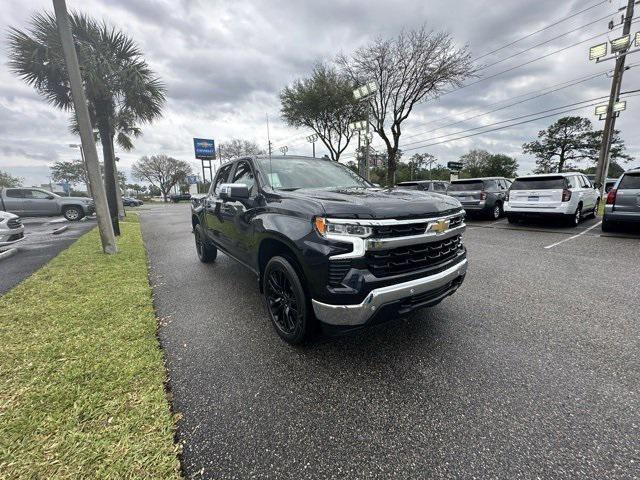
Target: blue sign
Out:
[205,149]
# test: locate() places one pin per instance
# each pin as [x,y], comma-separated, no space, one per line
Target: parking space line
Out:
[574,236]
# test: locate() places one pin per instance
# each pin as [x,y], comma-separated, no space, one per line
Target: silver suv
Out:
[623,201]
[38,202]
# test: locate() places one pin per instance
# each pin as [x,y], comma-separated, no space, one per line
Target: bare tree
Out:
[323,103]
[161,171]
[237,147]
[409,69]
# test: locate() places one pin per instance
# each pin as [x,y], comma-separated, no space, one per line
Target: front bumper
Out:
[359,314]
[89,208]
[9,237]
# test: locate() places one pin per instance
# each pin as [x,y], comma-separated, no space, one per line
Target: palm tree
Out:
[122,91]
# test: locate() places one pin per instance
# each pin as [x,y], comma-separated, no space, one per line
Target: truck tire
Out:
[73,213]
[286,301]
[207,253]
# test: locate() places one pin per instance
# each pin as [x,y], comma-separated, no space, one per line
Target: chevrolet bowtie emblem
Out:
[440,226]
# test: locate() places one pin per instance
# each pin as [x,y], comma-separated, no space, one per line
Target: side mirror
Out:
[233,191]
[50,197]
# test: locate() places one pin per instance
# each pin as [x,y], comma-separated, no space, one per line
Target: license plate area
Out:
[534,198]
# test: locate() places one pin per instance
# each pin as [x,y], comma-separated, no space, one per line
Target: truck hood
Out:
[378,203]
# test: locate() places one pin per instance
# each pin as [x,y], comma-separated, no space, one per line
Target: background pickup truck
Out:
[328,246]
[37,202]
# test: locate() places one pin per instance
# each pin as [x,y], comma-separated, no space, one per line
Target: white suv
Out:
[570,196]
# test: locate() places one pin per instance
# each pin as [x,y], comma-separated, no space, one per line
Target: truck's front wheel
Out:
[207,253]
[286,301]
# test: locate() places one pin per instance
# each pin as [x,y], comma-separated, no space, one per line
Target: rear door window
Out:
[538,183]
[15,193]
[573,182]
[630,181]
[466,186]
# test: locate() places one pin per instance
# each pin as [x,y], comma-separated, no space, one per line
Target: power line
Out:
[545,42]
[540,30]
[628,94]
[483,79]
[511,125]
[546,91]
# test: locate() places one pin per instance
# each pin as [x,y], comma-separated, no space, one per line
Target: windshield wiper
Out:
[288,189]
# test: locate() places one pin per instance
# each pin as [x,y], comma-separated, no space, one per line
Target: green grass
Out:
[81,372]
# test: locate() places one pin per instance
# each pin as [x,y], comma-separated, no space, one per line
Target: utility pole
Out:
[602,169]
[86,131]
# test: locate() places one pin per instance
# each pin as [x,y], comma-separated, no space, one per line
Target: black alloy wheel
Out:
[285,300]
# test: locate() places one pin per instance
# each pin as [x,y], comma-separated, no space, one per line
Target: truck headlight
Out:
[326,227]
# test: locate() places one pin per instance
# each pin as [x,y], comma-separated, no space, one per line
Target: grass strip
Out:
[81,372]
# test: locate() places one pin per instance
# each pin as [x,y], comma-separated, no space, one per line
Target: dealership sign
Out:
[205,149]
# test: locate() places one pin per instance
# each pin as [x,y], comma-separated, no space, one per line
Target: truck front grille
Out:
[383,263]
[14,223]
[408,229]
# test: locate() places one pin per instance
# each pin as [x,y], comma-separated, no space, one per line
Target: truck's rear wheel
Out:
[286,301]
[73,213]
[207,253]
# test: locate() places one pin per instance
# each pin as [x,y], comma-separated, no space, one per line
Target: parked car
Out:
[623,202]
[178,197]
[483,196]
[438,186]
[131,202]
[569,196]
[38,202]
[11,229]
[326,244]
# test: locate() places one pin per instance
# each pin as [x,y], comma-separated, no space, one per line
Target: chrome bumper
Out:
[354,315]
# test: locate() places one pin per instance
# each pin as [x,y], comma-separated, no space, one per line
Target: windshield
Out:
[538,183]
[466,186]
[294,173]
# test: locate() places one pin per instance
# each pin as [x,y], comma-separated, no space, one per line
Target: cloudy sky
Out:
[224,63]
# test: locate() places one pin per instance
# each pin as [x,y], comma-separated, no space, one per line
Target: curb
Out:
[8,253]
[64,228]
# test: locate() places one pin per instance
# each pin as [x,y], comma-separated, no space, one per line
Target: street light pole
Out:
[363,93]
[105,226]
[602,169]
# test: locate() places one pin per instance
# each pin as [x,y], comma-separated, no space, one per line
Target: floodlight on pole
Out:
[620,44]
[365,90]
[284,150]
[359,125]
[312,140]
[620,106]
[601,109]
[597,51]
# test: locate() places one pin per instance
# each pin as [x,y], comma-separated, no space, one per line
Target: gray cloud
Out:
[224,63]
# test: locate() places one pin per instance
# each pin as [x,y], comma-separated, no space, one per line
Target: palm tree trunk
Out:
[121,213]
[109,179]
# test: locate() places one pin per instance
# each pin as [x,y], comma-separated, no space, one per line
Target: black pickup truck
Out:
[327,245]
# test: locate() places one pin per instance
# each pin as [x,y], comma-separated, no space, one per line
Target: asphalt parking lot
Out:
[39,246]
[531,370]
